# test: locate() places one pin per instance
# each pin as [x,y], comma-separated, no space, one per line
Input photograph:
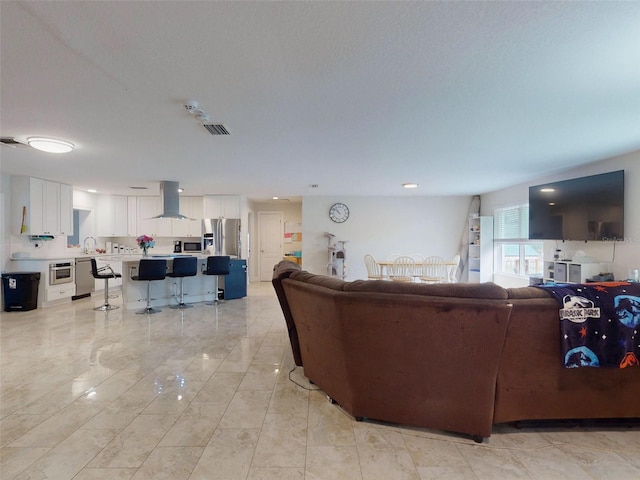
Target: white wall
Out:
[5,201]
[383,226]
[620,255]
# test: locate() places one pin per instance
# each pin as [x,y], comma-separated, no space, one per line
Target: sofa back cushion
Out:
[527,292]
[486,290]
[321,280]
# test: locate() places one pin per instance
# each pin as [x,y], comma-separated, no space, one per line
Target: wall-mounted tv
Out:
[587,208]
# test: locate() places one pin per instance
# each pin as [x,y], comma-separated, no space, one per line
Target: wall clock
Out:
[339,212]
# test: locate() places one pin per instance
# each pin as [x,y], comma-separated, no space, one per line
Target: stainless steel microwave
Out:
[191,246]
[60,273]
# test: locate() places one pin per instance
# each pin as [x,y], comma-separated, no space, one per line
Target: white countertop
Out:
[115,257]
[71,256]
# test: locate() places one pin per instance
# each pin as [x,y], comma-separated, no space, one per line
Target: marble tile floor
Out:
[209,393]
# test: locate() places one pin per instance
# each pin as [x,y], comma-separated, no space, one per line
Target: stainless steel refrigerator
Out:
[222,236]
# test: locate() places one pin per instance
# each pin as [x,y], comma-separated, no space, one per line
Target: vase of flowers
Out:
[145,242]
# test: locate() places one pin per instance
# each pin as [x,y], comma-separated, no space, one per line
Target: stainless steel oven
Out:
[61,273]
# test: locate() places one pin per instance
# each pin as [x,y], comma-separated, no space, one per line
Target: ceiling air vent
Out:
[216,129]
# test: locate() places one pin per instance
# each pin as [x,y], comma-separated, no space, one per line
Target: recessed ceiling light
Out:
[92,190]
[410,185]
[180,190]
[547,190]
[275,198]
[51,145]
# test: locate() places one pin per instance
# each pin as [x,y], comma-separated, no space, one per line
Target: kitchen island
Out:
[164,292]
[199,288]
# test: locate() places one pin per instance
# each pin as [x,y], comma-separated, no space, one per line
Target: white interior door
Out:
[271,233]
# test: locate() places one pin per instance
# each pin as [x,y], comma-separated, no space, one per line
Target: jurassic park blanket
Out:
[599,323]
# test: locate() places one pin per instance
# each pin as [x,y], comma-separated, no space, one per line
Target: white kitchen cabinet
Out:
[59,292]
[216,206]
[149,207]
[47,207]
[51,208]
[112,215]
[191,207]
[120,215]
[132,216]
[480,262]
[66,209]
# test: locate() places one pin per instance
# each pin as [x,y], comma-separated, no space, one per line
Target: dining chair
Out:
[434,270]
[374,271]
[402,269]
[452,269]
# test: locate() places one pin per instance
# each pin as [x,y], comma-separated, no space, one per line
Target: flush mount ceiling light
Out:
[410,185]
[51,145]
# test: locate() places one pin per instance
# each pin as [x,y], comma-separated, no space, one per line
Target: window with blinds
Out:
[512,222]
[515,253]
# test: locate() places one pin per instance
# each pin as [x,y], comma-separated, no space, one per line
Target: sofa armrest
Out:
[281,271]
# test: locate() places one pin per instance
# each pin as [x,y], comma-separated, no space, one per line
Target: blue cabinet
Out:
[235,284]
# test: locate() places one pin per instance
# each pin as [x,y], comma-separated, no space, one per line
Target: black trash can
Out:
[20,291]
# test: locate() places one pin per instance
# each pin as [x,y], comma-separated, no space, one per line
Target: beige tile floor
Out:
[207,393]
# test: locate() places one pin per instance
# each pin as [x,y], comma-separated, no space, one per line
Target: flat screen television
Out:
[587,208]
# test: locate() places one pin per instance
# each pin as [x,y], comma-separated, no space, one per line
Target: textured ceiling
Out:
[356,97]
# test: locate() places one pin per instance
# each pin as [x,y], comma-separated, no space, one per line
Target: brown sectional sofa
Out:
[454,357]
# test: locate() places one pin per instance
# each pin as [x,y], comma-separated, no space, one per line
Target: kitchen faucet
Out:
[84,244]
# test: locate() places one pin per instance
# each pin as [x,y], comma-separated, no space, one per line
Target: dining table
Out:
[385,267]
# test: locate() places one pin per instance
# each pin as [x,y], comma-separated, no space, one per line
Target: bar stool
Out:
[148,271]
[183,267]
[109,273]
[217,265]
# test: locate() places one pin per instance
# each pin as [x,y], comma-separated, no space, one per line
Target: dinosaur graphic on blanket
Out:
[599,323]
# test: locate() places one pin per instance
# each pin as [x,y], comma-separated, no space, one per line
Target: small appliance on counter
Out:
[192,247]
[177,246]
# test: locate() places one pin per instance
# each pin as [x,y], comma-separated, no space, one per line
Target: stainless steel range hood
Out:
[170,198]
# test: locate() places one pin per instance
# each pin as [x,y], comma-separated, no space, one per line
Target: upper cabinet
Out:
[113,216]
[66,209]
[148,208]
[191,207]
[132,217]
[216,206]
[122,216]
[41,207]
